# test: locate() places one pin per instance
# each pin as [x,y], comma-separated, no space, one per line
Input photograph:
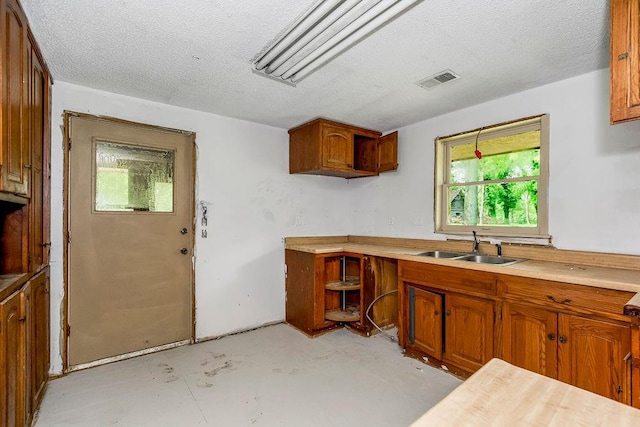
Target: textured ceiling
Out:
[198,54]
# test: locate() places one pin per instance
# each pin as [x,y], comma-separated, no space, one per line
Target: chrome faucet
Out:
[476,243]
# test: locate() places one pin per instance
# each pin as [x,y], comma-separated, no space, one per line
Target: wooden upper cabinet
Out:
[529,338]
[594,355]
[388,152]
[15,155]
[39,189]
[625,60]
[324,147]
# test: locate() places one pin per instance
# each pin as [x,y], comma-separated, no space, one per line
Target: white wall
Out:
[242,172]
[594,183]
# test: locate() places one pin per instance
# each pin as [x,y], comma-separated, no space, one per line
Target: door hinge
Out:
[68,330]
[68,237]
[69,144]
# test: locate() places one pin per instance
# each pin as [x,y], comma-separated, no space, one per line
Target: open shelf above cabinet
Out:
[325,147]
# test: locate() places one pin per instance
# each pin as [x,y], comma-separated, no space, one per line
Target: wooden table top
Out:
[500,394]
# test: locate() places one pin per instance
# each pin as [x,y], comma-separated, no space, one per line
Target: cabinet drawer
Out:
[565,295]
[447,278]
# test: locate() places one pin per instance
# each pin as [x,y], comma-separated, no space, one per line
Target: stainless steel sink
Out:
[441,254]
[488,259]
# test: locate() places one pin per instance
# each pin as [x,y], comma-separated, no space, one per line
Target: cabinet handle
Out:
[22,319]
[349,165]
[564,301]
[619,390]
[562,339]
[447,312]
[436,312]
[551,337]
[623,56]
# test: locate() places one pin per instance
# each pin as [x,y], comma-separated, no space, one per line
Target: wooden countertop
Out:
[596,276]
[500,394]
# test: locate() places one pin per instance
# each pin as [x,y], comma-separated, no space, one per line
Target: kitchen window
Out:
[493,180]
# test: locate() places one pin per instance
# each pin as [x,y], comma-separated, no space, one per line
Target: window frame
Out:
[442,170]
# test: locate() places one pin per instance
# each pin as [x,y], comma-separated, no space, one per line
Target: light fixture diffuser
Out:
[327,29]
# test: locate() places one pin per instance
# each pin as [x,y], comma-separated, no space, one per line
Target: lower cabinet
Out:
[24,350]
[585,352]
[461,334]
[469,329]
[12,360]
[326,291]
[425,321]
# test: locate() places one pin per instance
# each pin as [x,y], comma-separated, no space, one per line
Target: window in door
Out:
[133,179]
[494,180]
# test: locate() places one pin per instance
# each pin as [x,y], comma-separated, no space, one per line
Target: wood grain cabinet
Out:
[572,333]
[469,326]
[324,147]
[24,350]
[24,218]
[327,291]
[625,60]
[441,320]
[15,155]
[13,360]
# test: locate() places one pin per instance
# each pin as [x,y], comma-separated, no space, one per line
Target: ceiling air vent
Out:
[438,79]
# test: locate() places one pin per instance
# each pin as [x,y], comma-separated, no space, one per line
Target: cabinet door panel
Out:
[529,338]
[12,355]
[625,60]
[388,152]
[591,355]
[37,230]
[425,321]
[469,332]
[39,335]
[15,138]
[337,148]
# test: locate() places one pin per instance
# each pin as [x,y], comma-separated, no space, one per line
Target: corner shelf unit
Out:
[342,289]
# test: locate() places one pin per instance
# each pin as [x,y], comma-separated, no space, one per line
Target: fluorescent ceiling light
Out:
[327,29]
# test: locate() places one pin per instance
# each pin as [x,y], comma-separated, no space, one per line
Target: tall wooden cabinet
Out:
[625,60]
[24,218]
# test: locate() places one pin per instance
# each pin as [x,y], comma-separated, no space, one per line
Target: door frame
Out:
[66,184]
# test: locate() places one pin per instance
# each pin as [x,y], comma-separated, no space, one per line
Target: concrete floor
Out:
[273,376]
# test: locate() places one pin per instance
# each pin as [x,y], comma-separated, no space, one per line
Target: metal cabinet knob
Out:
[184,251]
[562,339]
[184,231]
[551,337]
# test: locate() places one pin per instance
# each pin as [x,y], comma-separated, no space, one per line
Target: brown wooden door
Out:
[425,321]
[337,147]
[468,331]
[529,338]
[131,238]
[591,355]
[14,156]
[39,335]
[625,60]
[12,360]
[388,152]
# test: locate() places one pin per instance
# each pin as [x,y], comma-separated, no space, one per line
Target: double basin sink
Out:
[477,258]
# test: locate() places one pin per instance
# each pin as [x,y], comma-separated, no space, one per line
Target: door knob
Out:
[184,251]
[183,231]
